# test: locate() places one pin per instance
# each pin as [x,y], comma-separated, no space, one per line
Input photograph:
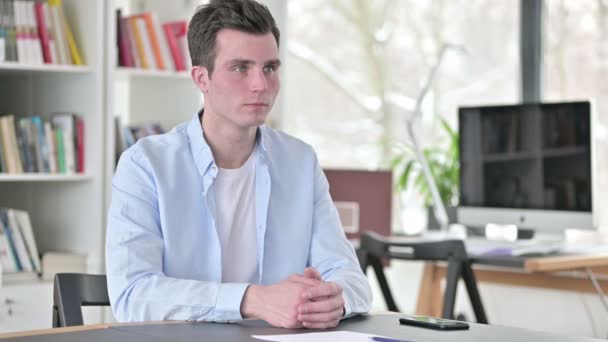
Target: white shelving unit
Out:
[20,68]
[66,210]
[43,177]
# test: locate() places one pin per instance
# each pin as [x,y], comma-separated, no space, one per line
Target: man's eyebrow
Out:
[276,62]
[240,61]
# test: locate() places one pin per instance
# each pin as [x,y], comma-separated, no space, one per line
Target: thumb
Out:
[312,273]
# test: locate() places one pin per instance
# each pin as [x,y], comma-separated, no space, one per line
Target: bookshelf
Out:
[20,68]
[66,210]
[122,74]
[38,177]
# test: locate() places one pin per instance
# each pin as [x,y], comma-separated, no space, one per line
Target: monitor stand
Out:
[507,232]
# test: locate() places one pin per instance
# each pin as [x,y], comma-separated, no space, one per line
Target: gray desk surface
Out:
[381,324]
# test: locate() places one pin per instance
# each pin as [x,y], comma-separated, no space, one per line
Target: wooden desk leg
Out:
[430,296]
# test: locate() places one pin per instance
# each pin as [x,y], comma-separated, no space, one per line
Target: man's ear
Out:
[200,76]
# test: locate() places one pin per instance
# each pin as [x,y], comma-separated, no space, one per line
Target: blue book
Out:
[11,241]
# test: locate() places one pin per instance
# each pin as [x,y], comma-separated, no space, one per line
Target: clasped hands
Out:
[302,300]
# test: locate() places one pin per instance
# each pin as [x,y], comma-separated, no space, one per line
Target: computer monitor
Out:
[529,165]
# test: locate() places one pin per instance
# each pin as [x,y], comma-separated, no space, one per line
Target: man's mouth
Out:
[257,104]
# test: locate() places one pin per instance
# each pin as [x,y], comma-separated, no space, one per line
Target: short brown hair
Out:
[241,15]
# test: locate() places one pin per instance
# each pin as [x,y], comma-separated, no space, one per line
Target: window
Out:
[355,68]
[575,66]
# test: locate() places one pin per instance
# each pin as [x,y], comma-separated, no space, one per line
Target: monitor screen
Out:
[532,156]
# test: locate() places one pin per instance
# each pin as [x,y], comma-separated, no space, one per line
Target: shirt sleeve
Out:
[332,254]
[137,286]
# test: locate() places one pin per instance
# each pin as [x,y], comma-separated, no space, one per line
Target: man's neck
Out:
[231,145]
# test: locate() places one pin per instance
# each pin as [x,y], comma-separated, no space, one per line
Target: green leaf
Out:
[403,179]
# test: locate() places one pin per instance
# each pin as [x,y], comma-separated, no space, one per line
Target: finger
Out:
[297,278]
[322,306]
[323,290]
[312,273]
[321,317]
[327,325]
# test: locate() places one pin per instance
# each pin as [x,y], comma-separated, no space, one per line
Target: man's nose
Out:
[259,81]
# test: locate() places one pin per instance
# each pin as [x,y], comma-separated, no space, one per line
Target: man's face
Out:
[245,79]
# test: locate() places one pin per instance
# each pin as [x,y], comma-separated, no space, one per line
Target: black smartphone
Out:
[434,323]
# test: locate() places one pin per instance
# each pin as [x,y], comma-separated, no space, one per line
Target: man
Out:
[224,218]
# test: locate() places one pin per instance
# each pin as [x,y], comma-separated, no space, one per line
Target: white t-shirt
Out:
[234,191]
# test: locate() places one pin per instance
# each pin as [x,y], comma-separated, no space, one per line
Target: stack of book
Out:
[127,136]
[18,250]
[36,32]
[29,144]
[144,43]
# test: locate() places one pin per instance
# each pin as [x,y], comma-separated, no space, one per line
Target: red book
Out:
[80,145]
[172,31]
[43,32]
[125,58]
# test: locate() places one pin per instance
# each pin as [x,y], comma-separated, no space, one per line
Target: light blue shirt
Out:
[163,254]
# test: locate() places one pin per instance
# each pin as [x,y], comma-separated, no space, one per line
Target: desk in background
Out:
[447,260]
[380,324]
[566,272]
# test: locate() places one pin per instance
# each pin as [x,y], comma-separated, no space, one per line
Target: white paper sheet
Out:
[329,336]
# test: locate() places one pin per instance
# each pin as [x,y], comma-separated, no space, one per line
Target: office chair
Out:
[374,248]
[71,291]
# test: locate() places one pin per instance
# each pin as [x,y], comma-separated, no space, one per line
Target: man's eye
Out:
[239,68]
[270,68]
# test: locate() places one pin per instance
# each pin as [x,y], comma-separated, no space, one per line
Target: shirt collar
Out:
[201,152]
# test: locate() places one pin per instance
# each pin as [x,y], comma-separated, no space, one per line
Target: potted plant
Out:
[444,165]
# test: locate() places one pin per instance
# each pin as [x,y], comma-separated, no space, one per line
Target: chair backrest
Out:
[378,246]
[71,291]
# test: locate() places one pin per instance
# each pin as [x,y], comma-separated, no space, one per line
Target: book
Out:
[146,41]
[18,250]
[63,51]
[26,147]
[153,38]
[11,32]
[59,143]
[79,141]
[3,27]
[67,124]
[43,32]
[7,258]
[10,144]
[32,32]
[25,226]
[162,42]
[52,33]
[2,160]
[19,241]
[125,58]
[50,140]
[41,144]
[132,43]
[139,43]
[11,240]
[71,42]
[171,29]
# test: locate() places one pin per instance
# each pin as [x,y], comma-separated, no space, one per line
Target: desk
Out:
[381,324]
[513,270]
[550,272]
